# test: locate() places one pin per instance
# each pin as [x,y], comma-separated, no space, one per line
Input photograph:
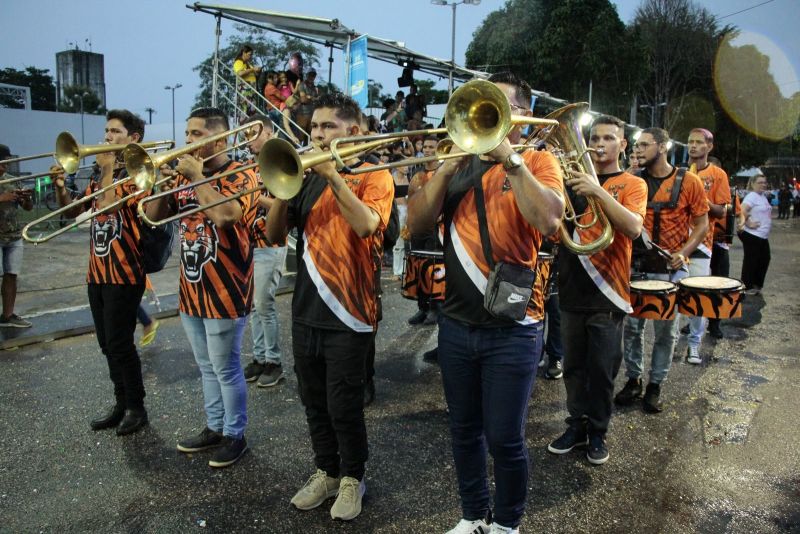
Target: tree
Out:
[72,101]
[559,47]
[432,96]
[375,93]
[270,54]
[43,90]
[679,38]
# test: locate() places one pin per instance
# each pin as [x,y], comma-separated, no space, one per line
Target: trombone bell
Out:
[281,168]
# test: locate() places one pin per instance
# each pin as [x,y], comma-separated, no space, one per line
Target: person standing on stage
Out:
[116,278]
[677,221]
[427,309]
[489,363]
[11,198]
[340,219]
[268,263]
[718,193]
[594,293]
[216,282]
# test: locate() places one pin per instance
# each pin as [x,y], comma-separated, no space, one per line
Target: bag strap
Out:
[483,225]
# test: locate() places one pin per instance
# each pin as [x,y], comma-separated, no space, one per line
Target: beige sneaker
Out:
[318,488]
[348,503]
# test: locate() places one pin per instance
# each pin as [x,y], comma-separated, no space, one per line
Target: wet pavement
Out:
[723,457]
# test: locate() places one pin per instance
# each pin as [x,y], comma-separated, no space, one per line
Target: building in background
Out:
[79,67]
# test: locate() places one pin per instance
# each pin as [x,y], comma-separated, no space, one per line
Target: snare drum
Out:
[714,297]
[423,275]
[653,299]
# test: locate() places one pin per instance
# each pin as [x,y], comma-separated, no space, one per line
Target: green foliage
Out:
[268,53]
[43,90]
[71,102]
[375,94]
[432,96]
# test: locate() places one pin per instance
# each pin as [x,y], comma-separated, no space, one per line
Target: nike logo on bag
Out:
[513,298]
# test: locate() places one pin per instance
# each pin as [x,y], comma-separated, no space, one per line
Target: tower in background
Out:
[79,67]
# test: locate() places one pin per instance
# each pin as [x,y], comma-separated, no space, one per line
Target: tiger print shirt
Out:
[216,280]
[256,220]
[601,282]
[338,271]
[513,239]
[115,256]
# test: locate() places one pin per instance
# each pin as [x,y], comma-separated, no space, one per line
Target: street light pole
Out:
[172,88]
[453,35]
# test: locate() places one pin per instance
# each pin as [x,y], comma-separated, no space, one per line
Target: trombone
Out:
[132,150]
[69,153]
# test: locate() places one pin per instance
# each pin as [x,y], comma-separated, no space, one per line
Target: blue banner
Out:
[358,71]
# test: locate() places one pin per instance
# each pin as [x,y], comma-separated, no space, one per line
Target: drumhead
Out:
[426,253]
[652,285]
[710,282]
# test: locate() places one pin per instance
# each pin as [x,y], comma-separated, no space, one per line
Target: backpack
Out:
[156,244]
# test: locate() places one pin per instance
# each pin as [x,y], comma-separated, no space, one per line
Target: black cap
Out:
[5,153]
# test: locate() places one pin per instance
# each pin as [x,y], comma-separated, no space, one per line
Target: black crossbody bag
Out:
[509,287]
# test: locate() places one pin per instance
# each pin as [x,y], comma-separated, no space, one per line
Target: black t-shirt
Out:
[576,290]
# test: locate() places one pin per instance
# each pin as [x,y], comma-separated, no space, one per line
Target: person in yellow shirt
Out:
[246,74]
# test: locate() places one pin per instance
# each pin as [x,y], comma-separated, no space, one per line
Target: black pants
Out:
[592,357]
[756,260]
[720,266]
[114,313]
[330,376]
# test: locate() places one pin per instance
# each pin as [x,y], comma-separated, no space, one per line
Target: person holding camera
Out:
[11,198]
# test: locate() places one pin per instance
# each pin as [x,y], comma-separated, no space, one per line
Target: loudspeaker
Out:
[407,78]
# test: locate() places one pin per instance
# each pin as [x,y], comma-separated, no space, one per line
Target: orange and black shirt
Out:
[601,282]
[676,223]
[256,221]
[115,256]
[338,272]
[513,239]
[715,183]
[216,279]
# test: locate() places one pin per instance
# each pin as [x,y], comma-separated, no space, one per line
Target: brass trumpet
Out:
[69,153]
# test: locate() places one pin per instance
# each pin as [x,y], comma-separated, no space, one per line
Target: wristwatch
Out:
[513,161]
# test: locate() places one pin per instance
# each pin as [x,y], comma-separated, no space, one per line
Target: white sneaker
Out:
[694,356]
[465,526]
[348,502]
[315,491]
[500,529]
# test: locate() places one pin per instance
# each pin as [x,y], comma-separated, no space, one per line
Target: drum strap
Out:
[652,189]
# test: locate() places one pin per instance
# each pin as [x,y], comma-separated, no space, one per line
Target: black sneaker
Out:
[431,318]
[418,317]
[432,356]
[253,371]
[597,453]
[207,439]
[685,330]
[650,402]
[229,453]
[571,438]
[14,321]
[273,373]
[555,370]
[631,392]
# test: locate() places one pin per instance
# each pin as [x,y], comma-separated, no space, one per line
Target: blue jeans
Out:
[666,334]
[267,271]
[697,325]
[217,345]
[488,376]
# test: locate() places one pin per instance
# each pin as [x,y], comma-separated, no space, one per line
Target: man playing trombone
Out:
[340,219]
[116,277]
[11,197]
[489,363]
[216,280]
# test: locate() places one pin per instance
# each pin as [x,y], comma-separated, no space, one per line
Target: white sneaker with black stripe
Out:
[465,526]
[693,356]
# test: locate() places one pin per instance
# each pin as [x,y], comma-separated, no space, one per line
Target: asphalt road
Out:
[724,456]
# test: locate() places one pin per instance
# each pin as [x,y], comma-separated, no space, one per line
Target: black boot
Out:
[110,419]
[369,392]
[631,392]
[650,402]
[714,329]
[133,421]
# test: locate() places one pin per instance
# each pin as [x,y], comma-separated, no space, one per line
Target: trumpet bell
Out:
[478,117]
[140,166]
[281,168]
[68,152]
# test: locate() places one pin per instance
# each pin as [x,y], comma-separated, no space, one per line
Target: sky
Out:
[149,44]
